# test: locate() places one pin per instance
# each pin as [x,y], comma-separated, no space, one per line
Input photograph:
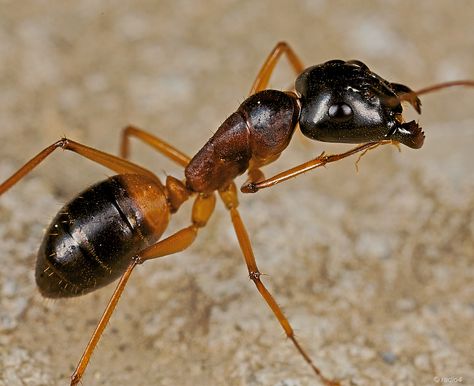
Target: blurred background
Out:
[374,269]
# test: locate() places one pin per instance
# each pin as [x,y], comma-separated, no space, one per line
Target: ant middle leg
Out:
[229,196]
[158,144]
[110,161]
[202,210]
[263,77]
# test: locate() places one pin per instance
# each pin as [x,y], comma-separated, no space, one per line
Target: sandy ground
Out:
[374,269]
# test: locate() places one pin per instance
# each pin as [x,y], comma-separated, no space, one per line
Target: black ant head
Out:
[346,102]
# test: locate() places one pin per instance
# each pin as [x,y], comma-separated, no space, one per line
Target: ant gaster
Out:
[115,225]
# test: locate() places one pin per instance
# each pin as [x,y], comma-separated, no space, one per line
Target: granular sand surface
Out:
[373,268]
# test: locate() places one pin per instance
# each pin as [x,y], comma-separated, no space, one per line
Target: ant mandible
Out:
[115,225]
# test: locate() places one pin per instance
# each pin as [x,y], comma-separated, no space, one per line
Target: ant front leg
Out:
[158,144]
[321,160]
[263,77]
[110,161]
[229,197]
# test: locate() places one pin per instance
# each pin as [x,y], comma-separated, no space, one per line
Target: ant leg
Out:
[158,144]
[110,161]
[203,208]
[254,176]
[254,171]
[177,242]
[173,244]
[319,161]
[229,197]
[263,77]
[359,158]
[86,356]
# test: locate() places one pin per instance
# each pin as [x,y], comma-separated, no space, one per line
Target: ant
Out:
[112,227]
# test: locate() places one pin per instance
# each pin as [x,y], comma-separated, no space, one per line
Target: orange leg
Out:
[177,242]
[110,161]
[263,77]
[229,196]
[158,144]
[81,367]
[203,208]
[322,160]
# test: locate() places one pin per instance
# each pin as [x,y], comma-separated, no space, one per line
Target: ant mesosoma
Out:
[115,225]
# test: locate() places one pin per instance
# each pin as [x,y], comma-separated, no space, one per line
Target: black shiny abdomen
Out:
[92,239]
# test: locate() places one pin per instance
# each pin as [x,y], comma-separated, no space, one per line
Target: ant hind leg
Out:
[117,164]
[177,242]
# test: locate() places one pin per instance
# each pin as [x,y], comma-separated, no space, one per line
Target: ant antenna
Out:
[412,95]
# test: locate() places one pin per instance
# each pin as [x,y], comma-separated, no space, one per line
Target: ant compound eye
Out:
[340,111]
